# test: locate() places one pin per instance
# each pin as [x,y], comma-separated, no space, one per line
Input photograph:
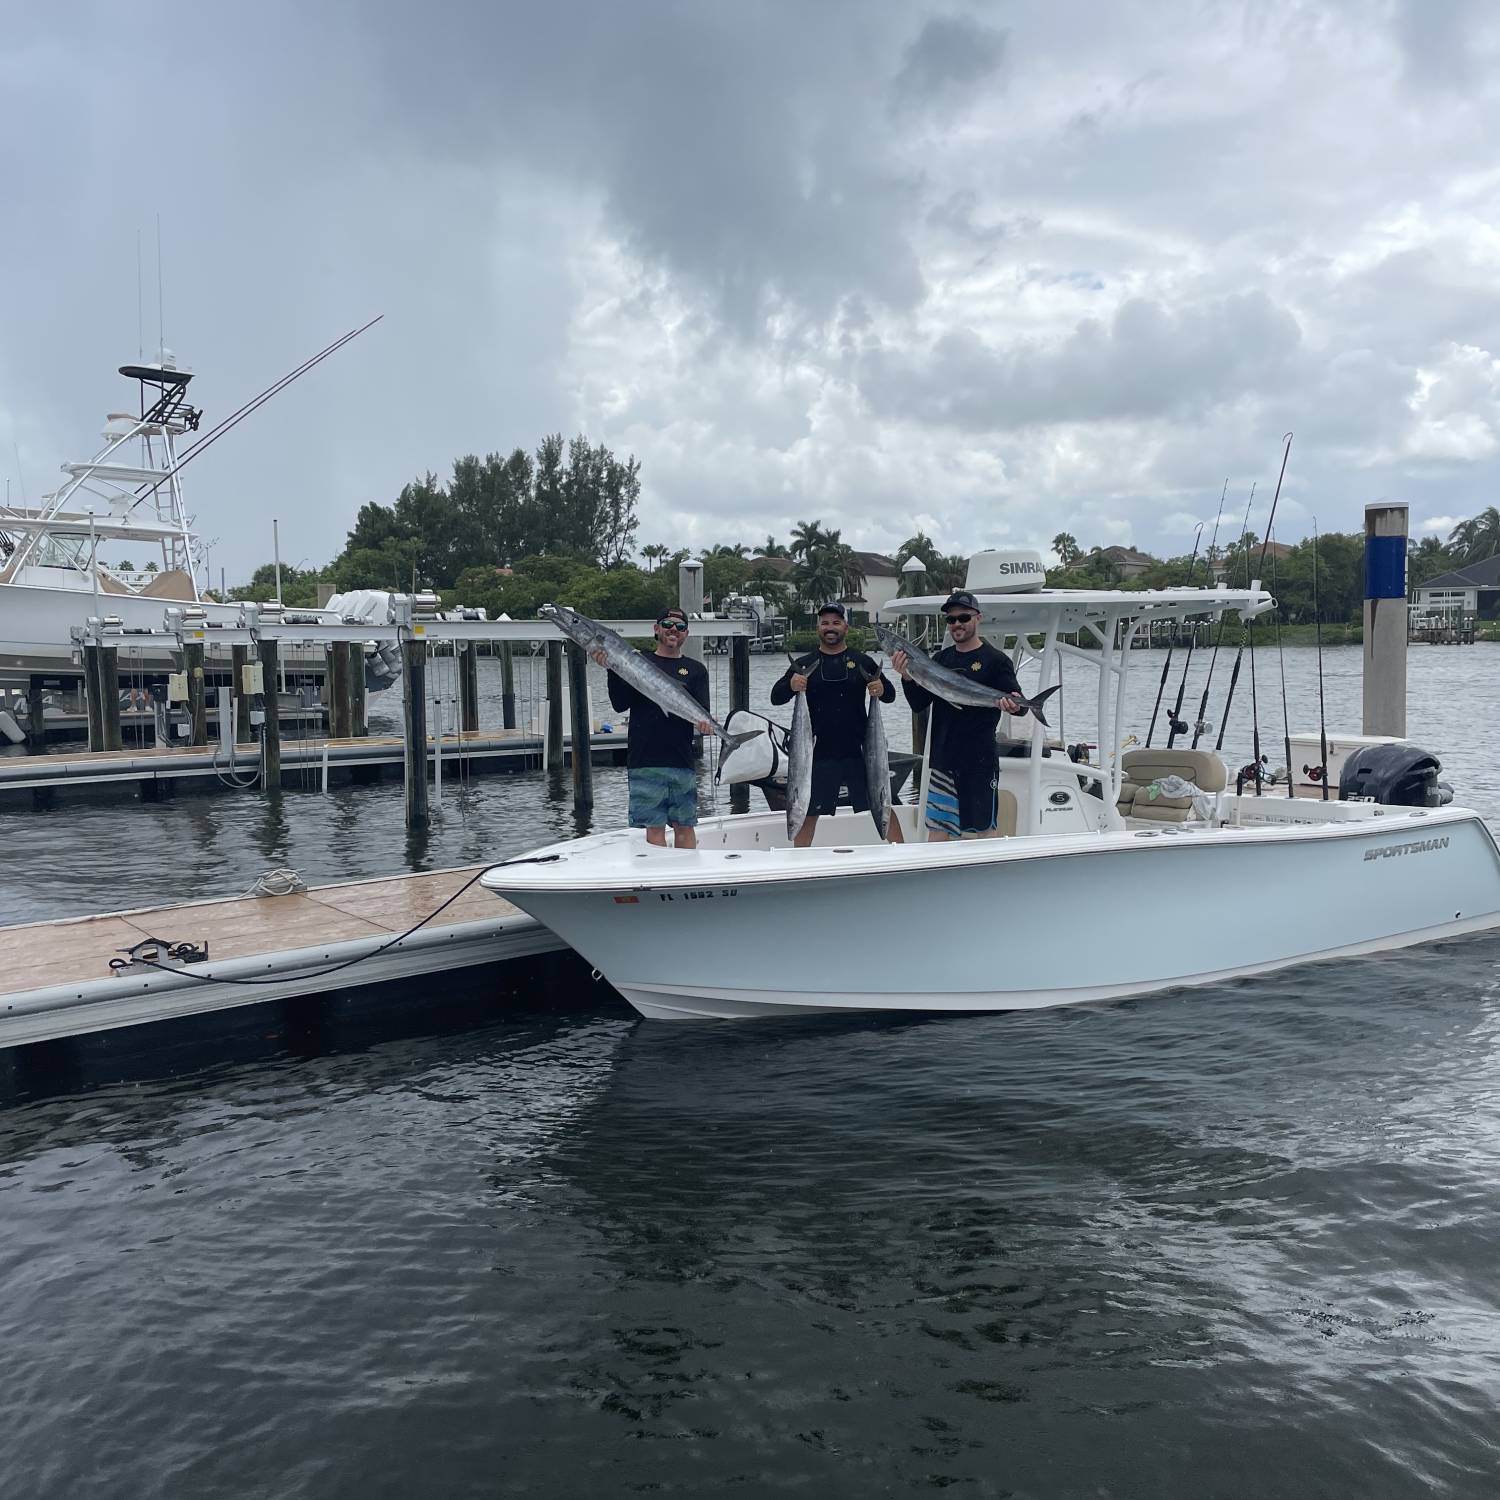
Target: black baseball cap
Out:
[674,613]
[834,609]
[961,599]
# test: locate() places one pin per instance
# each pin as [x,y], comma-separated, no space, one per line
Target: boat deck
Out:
[56,980]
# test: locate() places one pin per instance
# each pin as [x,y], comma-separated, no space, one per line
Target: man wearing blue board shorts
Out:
[962,795]
[663,783]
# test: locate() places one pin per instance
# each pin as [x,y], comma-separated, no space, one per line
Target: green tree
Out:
[1065,545]
[1478,538]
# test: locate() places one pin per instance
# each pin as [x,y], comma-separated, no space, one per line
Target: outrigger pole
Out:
[1322,717]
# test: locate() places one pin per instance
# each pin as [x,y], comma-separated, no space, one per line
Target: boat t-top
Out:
[1112,875]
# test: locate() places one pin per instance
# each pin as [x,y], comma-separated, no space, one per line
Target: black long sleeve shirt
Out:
[836,698]
[965,736]
[657,738]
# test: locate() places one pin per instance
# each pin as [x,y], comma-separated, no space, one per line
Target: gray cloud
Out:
[949,55]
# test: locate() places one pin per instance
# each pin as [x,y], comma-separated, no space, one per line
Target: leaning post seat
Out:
[1140,768]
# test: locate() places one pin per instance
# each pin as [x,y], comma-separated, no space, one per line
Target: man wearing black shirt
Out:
[838,684]
[965,772]
[663,783]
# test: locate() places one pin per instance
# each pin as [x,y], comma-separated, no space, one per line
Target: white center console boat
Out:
[1110,879]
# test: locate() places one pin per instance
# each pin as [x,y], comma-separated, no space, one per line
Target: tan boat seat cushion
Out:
[1007,811]
[1202,767]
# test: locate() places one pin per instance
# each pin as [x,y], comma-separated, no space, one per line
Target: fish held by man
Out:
[877,768]
[626,662]
[799,767]
[953,686]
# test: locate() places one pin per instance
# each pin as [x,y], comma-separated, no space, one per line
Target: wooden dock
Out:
[56,980]
[153,772]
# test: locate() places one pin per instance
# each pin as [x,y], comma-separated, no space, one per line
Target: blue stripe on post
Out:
[1385,567]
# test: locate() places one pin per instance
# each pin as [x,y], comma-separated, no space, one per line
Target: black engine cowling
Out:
[1394,775]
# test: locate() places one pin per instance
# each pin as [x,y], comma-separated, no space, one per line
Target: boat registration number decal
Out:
[1393,851]
[718,894]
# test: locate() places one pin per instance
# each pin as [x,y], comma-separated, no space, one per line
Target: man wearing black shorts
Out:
[838,684]
[962,785]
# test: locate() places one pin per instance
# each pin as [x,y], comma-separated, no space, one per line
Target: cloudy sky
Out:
[992,270]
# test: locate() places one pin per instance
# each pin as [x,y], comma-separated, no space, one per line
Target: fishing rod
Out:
[1322,716]
[1247,635]
[1201,725]
[1286,726]
[256,402]
[1176,726]
[1166,666]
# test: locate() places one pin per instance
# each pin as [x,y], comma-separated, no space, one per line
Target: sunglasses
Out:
[961,619]
[672,625]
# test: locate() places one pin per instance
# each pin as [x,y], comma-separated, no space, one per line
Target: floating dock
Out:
[56,979]
[155,772]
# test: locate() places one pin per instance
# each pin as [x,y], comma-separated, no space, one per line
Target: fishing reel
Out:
[1314,773]
[1254,771]
[1175,725]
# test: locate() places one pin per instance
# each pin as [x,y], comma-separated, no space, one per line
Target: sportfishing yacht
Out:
[1109,878]
[129,496]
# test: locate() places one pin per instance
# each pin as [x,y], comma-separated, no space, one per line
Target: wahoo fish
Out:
[877,767]
[627,663]
[799,759]
[953,687]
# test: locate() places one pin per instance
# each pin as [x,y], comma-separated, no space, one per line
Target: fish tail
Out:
[1035,704]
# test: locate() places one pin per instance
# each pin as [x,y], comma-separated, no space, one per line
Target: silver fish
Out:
[953,687]
[627,663]
[877,767]
[799,760]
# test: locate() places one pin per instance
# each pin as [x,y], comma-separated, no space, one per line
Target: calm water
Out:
[1227,1244]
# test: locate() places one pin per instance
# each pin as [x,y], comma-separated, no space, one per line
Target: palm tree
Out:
[850,570]
[654,554]
[921,546]
[772,548]
[729,549]
[809,537]
[1065,545]
[1478,538]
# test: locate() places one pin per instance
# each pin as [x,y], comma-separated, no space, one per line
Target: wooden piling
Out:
[359,712]
[192,664]
[468,687]
[270,733]
[338,691]
[239,659]
[414,730]
[554,705]
[739,698]
[582,729]
[507,686]
[36,719]
[109,697]
[91,696]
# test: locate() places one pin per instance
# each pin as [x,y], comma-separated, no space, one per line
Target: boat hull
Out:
[1111,917]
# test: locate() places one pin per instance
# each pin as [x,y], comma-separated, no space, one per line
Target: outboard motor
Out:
[1393,775]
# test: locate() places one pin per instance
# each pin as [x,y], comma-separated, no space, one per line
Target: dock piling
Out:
[109,697]
[91,705]
[239,659]
[414,729]
[1386,526]
[359,712]
[338,691]
[468,687]
[582,729]
[554,747]
[507,686]
[270,733]
[739,698]
[192,664]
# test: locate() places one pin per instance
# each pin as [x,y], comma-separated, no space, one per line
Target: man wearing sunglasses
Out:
[838,684]
[663,783]
[962,785]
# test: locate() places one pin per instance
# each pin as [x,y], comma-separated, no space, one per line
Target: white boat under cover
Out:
[1102,885]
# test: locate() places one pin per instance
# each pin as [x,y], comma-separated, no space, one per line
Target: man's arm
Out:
[781,689]
[887,687]
[916,695]
[1002,674]
[699,687]
[621,695]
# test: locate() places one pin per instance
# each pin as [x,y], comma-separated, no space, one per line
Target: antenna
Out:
[140,311]
[161,317]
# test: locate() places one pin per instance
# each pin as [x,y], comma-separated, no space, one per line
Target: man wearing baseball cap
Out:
[962,784]
[663,784]
[838,684]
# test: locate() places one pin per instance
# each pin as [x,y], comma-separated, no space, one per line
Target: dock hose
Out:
[191,953]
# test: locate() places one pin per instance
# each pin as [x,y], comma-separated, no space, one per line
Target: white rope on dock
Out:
[277,882]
